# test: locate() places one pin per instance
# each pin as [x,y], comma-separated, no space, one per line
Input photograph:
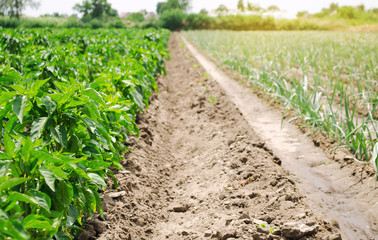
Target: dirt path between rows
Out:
[198,171]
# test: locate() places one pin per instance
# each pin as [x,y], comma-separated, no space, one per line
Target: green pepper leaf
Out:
[59,133]
[6,96]
[19,104]
[49,177]
[37,128]
[97,179]
[49,104]
[72,215]
[37,222]
[62,236]
[11,182]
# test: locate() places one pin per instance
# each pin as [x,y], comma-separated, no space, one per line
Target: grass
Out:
[329,79]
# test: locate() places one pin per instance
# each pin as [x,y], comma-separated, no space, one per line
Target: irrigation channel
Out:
[213,163]
[324,185]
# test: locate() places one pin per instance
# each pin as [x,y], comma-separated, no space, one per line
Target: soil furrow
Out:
[198,171]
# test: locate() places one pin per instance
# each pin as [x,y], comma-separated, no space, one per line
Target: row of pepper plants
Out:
[68,101]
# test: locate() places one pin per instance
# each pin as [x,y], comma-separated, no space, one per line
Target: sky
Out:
[291,6]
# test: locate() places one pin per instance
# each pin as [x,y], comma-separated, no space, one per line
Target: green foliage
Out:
[95,9]
[182,5]
[240,22]
[73,23]
[198,21]
[9,22]
[176,20]
[254,7]
[136,17]
[38,23]
[303,14]
[6,22]
[221,9]
[241,5]
[333,7]
[95,24]
[116,23]
[172,19]
[357,15]
[273,8]
[347,12]
[151,22]
[55,15]
[204,11]
[298,24]
[68,101]
[14,8]
[375,160]
[332,18]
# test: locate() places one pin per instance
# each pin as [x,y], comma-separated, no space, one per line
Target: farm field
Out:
[121,134]
[200,172]
[68,103]
[348,195]
[328,79]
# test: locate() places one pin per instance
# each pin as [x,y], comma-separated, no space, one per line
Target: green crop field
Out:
[68,101]
[329,79]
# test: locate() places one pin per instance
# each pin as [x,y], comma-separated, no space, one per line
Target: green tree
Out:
[183,5]
[333,7]
[302,14]
[172,19]
[253,7]
[84,8]
[273,8]
[4,6]
[241,6]
[347,12]
[361,8]
[204,11]
[95,9]
[14,8]
[161,7]
[221,9]
[136,17]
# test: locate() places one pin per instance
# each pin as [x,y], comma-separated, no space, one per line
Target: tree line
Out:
[175,15]
[14,8]
[90,9]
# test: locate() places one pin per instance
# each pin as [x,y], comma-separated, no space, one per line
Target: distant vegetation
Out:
[14,8]
[348,15]
[94,14]
[250,17]
[95,10]
[174,15]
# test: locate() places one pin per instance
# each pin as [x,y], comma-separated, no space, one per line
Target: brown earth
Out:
[198,171]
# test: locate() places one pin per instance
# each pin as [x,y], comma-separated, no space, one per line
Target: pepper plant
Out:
[68,102]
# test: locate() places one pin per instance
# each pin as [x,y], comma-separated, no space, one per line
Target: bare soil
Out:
[198,171]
